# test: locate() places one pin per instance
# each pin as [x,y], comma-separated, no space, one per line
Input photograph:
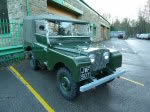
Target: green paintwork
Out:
[59,1]
[9,55]
[10,33]
[4,28]
[72,52]
[67,6]
[11,50]
[115,60]
[11,42]
[54,56]
[28,7]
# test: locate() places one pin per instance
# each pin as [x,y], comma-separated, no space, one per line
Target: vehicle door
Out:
[40,45]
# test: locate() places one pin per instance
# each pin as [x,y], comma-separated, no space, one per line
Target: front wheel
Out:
[67,86]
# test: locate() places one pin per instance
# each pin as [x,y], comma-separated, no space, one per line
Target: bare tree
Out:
[132,27]
[146,11]
[107,16]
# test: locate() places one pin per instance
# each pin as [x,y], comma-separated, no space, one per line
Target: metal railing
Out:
[10,33]
[11,42]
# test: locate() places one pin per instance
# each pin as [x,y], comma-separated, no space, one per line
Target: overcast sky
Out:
[118,8]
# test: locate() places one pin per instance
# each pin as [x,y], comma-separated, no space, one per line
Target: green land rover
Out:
[64,44]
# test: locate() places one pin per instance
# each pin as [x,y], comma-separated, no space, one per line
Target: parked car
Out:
[64,45]
[143,36]
[120,36]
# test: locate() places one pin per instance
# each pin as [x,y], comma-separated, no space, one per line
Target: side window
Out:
[53,28]
[42,27]
[93,29]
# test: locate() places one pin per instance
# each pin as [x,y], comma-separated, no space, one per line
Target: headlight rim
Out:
[92,58]
[106,55]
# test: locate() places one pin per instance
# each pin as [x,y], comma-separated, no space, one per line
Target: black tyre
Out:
[34,64]
[67,86]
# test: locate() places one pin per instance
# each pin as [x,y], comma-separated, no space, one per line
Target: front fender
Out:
[115,60]
[72,63]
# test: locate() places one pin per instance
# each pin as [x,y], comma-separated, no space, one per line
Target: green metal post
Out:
[28,8]
[11,49]
[3,41]
[4,25]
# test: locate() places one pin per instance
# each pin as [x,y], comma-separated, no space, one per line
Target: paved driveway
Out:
[128,94]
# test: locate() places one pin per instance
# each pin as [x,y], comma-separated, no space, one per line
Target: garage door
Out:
[55,10]
[104,32]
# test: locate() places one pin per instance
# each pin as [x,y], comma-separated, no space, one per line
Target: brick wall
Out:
[90,16]
[38,7]
[17,9]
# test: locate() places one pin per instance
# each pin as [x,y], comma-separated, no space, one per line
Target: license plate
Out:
[85,73]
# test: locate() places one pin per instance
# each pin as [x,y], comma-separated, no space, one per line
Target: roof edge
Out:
[94,11]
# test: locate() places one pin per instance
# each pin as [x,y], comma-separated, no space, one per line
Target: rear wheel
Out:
[67,86]
[34,64]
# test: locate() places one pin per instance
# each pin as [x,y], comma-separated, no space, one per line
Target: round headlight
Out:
[106,55]
[92,58]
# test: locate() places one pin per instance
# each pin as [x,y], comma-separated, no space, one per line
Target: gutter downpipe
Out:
[28,8]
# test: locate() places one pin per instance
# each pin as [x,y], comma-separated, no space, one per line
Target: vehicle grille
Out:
[100,62]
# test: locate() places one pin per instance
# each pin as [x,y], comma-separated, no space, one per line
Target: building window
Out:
[93,29]
[4,27]
[4,22]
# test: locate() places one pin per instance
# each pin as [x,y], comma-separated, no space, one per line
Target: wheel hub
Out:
[65,83]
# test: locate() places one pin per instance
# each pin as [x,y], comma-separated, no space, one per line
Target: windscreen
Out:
[68,29]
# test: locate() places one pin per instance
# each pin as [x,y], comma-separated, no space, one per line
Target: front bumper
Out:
[101,81]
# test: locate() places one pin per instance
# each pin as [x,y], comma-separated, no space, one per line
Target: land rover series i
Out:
[64,45]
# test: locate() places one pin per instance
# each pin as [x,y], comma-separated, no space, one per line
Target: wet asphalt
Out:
[118,96]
